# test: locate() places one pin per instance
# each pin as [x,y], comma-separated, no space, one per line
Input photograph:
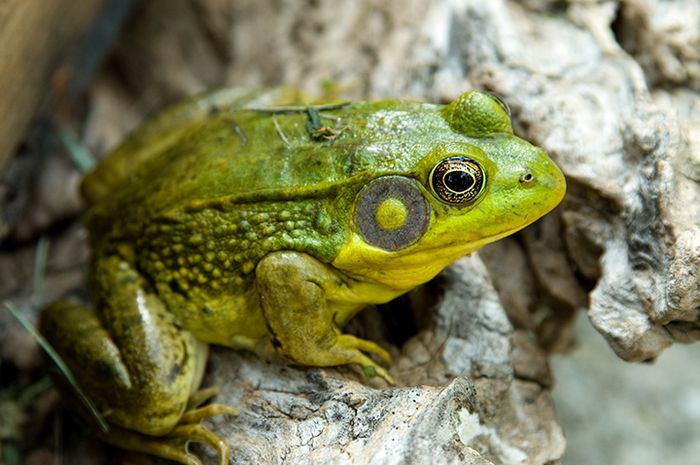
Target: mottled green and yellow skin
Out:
[236,219]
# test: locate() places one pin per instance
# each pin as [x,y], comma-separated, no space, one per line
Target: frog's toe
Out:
[371,369]
[374,370]
[167,447]
[202,413]
[352,342]
[200,433]
[190,429]
[202,395]
[361,346]
[173,445]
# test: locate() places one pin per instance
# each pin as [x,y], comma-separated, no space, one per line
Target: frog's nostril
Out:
[527,179]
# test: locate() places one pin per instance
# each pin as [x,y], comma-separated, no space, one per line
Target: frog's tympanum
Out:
[242,220]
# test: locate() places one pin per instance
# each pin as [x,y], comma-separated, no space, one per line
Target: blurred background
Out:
[620,413]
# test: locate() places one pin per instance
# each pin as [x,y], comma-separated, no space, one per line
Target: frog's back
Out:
[241,153]
[165,130]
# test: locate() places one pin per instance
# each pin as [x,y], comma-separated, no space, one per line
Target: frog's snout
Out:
[544,177]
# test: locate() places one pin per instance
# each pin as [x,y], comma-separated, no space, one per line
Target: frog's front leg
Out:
[135,363]
[295,293]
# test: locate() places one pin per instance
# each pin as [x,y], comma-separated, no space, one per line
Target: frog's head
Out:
[477,187]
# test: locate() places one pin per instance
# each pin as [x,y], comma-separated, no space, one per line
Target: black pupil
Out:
[459,181]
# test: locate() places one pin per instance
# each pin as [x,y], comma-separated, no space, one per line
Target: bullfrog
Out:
[246,219]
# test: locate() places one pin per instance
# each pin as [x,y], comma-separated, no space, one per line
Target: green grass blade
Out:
[42,251]
[11,453]
[44,344]
[80,155]
[28,394]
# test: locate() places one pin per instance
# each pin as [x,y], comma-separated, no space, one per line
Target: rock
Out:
[461,398]
[664,38]
[651,411]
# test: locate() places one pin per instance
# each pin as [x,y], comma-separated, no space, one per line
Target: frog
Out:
[261,221]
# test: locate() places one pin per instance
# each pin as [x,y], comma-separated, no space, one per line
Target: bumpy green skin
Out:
[229,220]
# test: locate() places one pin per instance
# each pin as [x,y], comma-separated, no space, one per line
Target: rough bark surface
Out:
[610,89]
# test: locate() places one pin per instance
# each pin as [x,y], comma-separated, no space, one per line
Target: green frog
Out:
[245,219]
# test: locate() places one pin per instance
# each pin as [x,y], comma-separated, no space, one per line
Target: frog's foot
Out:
[173,445]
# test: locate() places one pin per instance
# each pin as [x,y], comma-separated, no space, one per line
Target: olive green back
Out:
[227,157]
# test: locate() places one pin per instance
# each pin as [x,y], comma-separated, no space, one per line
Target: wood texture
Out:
[35,35]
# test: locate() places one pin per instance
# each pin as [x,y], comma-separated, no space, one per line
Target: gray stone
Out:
[627,413]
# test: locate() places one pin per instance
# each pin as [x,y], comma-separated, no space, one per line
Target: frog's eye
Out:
[457,180]
[391,212]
